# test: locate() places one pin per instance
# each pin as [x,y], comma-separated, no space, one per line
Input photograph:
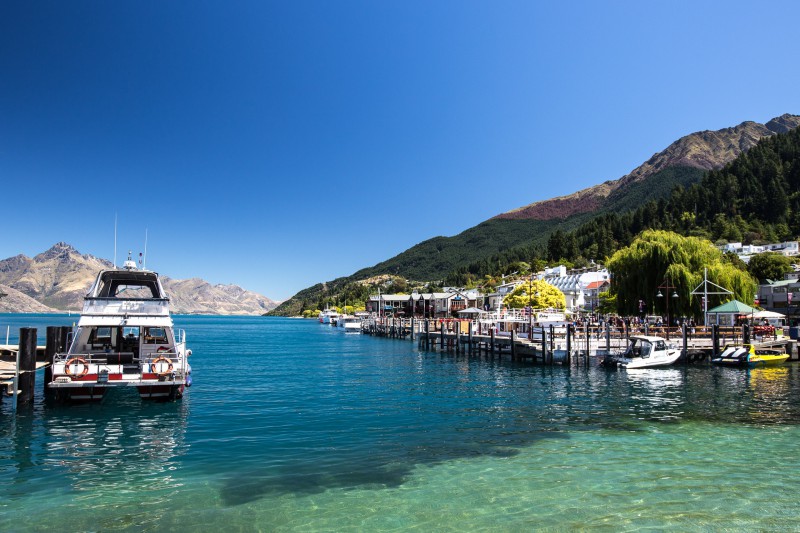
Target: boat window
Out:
[131,332]
[645,349]
[661,345]
[101,335]
[155,336]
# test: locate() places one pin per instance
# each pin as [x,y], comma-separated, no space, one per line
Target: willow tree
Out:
[665,262]
[538,294]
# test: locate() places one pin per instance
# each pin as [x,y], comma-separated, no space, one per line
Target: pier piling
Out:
[27,366]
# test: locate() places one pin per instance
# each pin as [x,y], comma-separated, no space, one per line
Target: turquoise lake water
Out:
[294,426]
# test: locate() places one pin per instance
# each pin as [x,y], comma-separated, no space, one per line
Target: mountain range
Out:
[57,280]
[682,163]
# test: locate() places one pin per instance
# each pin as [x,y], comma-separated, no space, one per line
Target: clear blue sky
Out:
[256,141]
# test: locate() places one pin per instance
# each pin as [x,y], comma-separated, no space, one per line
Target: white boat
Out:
[349,323]
[328,316]
[124,338]
[644,352]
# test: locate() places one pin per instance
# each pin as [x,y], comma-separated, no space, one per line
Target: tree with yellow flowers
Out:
[538,294]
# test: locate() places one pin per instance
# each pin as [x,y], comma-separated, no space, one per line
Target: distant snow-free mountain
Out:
[58,279]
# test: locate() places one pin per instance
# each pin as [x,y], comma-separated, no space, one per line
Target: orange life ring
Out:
[74,361]
[161,359]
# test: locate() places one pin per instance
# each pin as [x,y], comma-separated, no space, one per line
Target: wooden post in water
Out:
[50,349]
[552,342]
[491,342]
[714,340]
[685,343]
[427,334]
[513,345]
[412,327]
[470,337]
[746,334]
[544,345]
[458,337]
[441,336]
[27,365]
[569,343]
[588,335]
[63,337]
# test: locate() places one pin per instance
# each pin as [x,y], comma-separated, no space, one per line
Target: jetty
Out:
[561,344]
[20,363]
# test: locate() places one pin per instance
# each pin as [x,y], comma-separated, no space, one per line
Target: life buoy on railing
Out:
[76,361]
[162,359]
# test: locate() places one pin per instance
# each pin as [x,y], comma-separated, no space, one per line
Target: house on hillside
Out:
[581,287]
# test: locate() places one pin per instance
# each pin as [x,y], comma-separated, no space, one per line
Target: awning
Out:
[471,311]
[768,314]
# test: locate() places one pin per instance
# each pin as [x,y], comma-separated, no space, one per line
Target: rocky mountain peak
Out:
[59,250]
[783,123]
[705,150]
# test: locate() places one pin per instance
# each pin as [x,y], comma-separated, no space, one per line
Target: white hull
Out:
[645,352]
[651,362]
[349,324]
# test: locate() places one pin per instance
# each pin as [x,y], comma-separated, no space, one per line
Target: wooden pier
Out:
[19,364]
[562,345]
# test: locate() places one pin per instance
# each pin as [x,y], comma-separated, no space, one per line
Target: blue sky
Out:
[257,141]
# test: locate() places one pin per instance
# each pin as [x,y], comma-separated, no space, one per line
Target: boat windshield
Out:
[639,348]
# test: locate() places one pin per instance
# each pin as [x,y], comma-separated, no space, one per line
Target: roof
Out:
[596,284]
[734,306]
[471,311]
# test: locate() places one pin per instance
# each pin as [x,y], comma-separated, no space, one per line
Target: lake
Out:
[295,426]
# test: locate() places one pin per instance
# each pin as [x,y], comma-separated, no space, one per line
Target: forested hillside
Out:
[754,199]
[751,199]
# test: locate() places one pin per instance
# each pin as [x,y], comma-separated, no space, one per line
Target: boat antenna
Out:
[115,240]
[144,265]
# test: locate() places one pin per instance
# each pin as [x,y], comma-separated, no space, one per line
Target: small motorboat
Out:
[644,352]
[748,356]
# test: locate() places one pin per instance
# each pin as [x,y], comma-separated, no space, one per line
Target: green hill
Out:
[751,198]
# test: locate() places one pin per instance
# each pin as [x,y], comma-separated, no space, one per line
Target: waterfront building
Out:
[781,296]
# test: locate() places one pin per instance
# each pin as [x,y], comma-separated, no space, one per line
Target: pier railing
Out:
[545,341]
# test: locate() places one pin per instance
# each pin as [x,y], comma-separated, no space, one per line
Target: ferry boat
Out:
[644,352]
[748,356]
[124,338]
[328,316]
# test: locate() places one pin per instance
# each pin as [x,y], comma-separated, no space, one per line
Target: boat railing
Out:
[116,306]
[96,357]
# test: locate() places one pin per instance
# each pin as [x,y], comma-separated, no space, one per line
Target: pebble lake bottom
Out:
[294,426]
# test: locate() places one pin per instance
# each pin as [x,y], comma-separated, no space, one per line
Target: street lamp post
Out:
[667,286]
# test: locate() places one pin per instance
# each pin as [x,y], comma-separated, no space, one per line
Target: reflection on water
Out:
[282,411]
[106,450]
